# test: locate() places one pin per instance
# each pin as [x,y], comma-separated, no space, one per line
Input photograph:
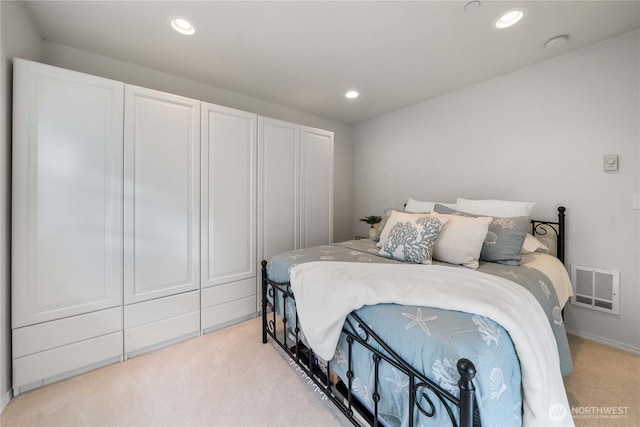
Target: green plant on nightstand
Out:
[373,221]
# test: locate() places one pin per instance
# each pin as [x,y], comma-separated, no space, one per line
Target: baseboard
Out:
[606,341]
[5,400]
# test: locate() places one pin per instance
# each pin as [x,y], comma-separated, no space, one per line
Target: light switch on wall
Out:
[610,162]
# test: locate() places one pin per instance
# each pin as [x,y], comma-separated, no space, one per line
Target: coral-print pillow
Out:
[410,237]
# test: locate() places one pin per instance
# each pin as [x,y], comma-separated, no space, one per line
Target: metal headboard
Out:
[541,228]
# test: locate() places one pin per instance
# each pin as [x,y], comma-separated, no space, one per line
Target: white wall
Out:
[19,38]
[537,134]
[74,59]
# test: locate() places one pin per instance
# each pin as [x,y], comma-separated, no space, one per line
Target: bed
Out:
[388,348]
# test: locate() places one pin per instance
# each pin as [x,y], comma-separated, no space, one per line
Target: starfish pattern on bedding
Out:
[545,288]
[400,383]
[419,320]
[510,273]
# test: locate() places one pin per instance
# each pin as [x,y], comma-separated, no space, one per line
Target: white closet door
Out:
[278,213]
[162,190]
[67,193]
[229,161]
[316,187]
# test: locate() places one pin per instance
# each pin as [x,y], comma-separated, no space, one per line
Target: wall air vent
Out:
[596,289]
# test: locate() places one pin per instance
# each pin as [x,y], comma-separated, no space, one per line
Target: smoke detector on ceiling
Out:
[557,42]
[472,6]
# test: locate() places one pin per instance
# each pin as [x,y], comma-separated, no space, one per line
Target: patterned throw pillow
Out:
[385,217]
[504,240]
[410,237]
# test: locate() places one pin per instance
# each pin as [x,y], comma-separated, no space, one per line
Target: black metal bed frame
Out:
[541,228]
[422,390]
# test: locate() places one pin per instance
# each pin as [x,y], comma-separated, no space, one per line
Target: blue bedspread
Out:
[432,340]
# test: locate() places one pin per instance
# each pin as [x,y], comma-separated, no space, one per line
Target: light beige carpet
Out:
[229,378]
[605,387]
[225,378]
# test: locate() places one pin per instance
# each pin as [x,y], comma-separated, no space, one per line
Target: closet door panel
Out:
[162,190]
[67,193]
[229,161]
[278,146]
[316,187]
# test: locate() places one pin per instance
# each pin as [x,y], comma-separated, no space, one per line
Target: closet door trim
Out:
[229,196]
[162,190]
[67,193]
[274,171]
[316,187]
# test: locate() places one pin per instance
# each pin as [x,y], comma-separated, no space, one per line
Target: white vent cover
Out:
[596,288]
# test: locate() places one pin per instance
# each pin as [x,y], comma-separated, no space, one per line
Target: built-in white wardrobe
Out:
[67,223]
[296,187]
[161,218]
[229,215]
[137,216]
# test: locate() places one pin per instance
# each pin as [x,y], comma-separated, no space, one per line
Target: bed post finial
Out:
[263,263]
[560,245]
[467,371]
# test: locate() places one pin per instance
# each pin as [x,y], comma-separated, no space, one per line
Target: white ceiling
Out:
[306,55]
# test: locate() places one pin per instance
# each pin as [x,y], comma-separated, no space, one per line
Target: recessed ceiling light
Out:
[509,18]
[352,94]
[182,25]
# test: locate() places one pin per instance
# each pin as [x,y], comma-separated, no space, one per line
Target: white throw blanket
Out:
[326,292]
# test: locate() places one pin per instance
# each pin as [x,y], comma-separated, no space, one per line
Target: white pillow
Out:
[461,239]
[531,244]
[502,208]
[418,206]
[410,237]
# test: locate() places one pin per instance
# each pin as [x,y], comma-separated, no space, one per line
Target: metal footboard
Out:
[359,336]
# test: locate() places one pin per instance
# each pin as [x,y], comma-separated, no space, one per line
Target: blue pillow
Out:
[504,240]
